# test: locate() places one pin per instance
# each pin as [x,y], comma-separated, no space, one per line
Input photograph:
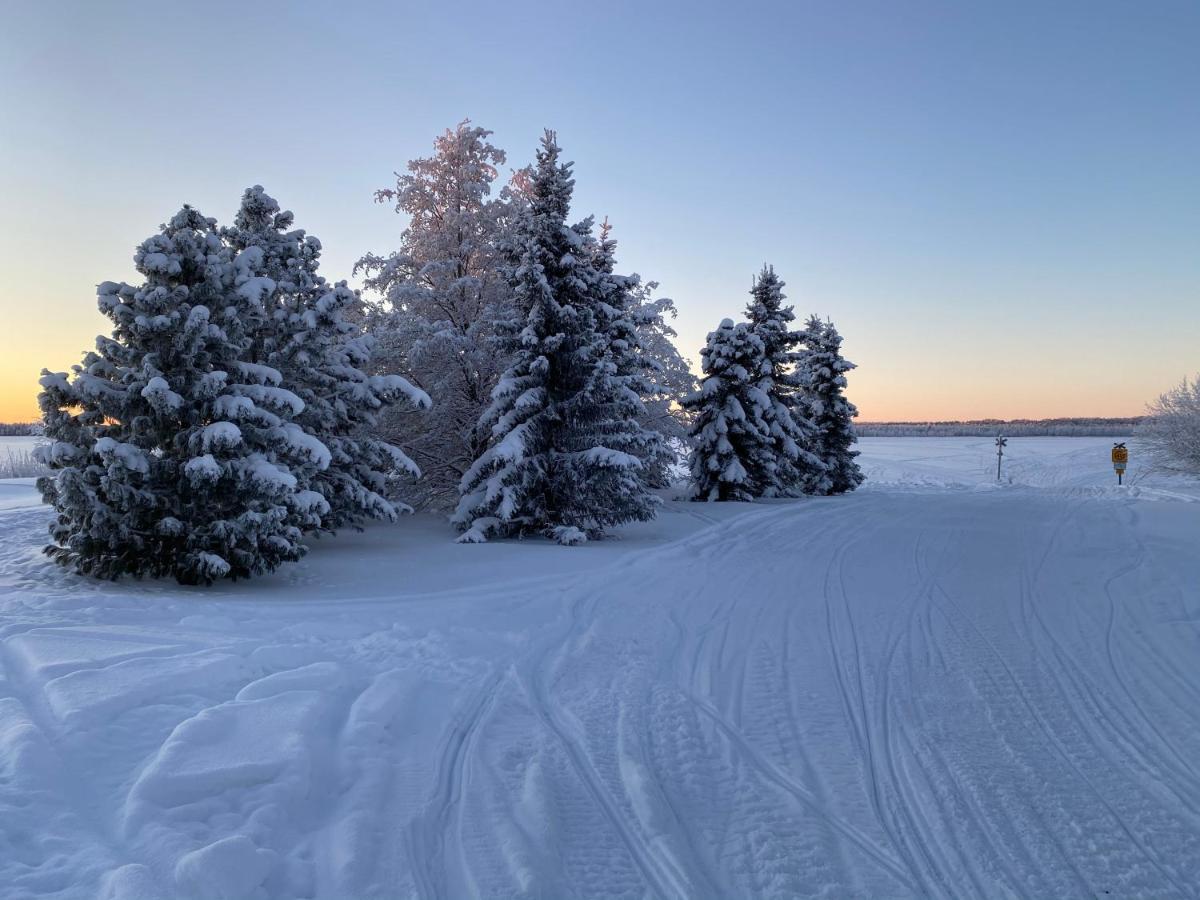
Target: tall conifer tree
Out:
[172,451]
[733,455]
[794,465]
[628,374]
[555,463]
[325,359]
[821,377]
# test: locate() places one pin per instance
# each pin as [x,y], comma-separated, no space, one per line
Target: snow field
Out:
[931,687]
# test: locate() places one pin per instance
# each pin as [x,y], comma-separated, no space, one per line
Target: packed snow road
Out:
[929,688]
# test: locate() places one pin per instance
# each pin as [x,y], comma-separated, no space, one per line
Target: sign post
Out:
[1120,458]
[1001,442]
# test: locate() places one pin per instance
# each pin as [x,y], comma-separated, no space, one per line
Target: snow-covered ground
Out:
[932,687]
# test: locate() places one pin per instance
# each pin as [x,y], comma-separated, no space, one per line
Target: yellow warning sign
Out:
[1120,455]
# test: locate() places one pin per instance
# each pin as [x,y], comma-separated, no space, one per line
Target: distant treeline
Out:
[1011,428]
[974,428]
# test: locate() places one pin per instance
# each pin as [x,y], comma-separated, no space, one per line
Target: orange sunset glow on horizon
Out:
[912,383]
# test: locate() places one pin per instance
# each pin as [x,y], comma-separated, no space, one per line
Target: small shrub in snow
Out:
[20,464]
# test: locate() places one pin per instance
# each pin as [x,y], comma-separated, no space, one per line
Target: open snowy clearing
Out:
[932,687]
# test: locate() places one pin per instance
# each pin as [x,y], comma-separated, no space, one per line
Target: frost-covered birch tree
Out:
[674,376]
[561,458]
[435,301]
[1172,429]
[821,378]
[172,453]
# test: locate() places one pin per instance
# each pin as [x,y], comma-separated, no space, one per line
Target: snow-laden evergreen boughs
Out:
[436,300]
[170,453]
[628,375]
[821,377]
[793,465]
[733,446]
[1172,429]
[562,458]
[325,360]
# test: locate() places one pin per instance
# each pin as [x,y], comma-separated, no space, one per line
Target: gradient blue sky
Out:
[998,203]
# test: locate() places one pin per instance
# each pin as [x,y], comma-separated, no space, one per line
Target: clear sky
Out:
[997,203]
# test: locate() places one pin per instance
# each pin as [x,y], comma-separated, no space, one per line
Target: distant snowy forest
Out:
[1067,427]
[496,366]
[1076,427]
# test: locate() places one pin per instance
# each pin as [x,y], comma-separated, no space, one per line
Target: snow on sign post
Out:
[1120,458]
[1001,443]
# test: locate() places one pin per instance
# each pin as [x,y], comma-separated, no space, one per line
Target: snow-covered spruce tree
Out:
[170,451]
[733,446]
[629,374]
[1171,429]
[436,300]
[794,466]
[560,414]
[821,377]
[324,359]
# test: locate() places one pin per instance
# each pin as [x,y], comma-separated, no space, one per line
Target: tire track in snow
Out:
[837,528]
[662,869]
[859,712]
[1181,766]
[1068,668]
[920,626]
[929,843]
[706,665]
[951,611]
[427,835]
[665,877]
[909,817]
[981,846]
[789,785]
[1056,743]
[854,711]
